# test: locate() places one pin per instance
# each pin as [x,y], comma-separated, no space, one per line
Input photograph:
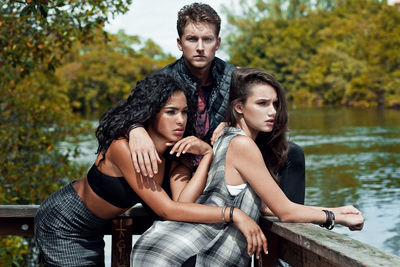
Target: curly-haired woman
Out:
[69,225]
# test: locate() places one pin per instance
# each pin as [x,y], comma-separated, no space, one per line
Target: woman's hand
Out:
[346,210]
[353,217]
[190,144]
[355,222]
[256,240]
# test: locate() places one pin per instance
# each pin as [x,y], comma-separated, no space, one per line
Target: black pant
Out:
[293,174]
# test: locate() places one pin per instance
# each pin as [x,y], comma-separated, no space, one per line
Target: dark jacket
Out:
[219,95]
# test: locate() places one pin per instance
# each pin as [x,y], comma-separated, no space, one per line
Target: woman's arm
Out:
[158,200]
[153,194]
[265,210]
[249,162]
[185,188]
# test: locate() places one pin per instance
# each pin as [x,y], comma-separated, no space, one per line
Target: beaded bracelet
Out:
[333,220]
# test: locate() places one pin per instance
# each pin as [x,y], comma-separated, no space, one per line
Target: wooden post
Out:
[271,259]
[121,247]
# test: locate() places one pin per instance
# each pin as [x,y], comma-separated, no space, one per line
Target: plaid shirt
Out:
[169,243]
[202,117]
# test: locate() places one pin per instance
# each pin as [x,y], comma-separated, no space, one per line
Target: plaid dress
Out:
[169,243]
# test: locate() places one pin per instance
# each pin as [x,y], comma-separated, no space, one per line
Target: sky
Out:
[156,19]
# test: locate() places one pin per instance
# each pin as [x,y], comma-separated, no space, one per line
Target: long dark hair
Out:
[273,145]
[143,103]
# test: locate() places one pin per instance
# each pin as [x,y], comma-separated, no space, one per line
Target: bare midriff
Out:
[94,203]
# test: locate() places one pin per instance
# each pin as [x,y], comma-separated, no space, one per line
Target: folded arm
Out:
[184,186]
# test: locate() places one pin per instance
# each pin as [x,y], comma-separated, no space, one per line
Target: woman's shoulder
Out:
[119,148]
[243,142]
[243,147]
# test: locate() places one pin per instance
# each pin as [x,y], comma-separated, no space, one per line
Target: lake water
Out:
[352,157]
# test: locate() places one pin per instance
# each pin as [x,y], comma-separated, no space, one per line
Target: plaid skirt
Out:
[67,233]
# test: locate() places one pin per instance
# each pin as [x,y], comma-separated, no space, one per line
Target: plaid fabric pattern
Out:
[67,233]
[170,243]
[202,117]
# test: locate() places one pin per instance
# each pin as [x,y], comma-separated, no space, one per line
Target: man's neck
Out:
[202,74]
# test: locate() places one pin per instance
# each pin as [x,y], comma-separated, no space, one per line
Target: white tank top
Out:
[235,190]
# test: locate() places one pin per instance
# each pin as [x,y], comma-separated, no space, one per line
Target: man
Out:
[208,78]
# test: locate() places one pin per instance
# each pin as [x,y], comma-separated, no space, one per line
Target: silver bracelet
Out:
[223,214]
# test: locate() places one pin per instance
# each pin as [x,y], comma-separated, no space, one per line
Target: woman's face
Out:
[170,122]
[259,109]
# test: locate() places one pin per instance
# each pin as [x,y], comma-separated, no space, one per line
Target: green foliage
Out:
[12,257]
[96,76]
[41,31]
[35,35]
[33,119]
[345,53]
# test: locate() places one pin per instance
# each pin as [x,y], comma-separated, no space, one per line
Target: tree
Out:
[35,36]
[346,53]
[96,76]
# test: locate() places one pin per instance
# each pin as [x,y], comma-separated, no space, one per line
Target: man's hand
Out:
[144,154]
[218,132]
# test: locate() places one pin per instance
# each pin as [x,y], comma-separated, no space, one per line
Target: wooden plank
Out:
[328,246]
[298,244]
[13,211]
[297,256]
[14,217]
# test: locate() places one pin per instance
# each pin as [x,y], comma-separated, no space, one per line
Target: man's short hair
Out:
[197,12]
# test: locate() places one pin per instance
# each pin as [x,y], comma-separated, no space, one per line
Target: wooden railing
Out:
[299,244]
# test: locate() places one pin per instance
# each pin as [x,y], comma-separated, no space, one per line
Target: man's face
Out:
[199,43]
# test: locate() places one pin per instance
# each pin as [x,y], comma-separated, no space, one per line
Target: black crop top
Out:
[117,191]
[114,190]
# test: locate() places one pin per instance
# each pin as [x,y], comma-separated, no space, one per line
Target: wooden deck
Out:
[299,244]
